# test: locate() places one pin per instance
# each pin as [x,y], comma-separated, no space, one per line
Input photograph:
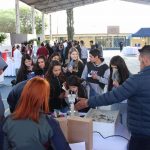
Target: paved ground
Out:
[131,61]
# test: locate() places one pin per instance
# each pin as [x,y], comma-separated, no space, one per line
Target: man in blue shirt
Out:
[137,90]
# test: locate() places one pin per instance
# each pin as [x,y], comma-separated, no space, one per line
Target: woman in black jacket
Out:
[25,70]
[41,66]
[56,79]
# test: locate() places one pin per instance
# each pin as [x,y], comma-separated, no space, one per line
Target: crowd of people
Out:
[38,91]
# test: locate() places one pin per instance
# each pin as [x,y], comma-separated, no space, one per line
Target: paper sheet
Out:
[78,146]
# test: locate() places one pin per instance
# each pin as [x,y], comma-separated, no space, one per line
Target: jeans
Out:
[139,143]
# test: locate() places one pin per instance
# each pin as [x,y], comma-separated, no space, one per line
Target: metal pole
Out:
[43,26]
[50,25]
[17,16]
[33,20]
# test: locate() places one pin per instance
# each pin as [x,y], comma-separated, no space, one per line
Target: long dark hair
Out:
[23,68]
[73,80]
[49,73]
[41,57]
[53,55]
[122,69]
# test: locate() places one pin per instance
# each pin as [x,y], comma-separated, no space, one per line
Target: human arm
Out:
[58,139]
[85,73]
[14,95]
[125,91]
[1,71]
[103,79]
[80,68]
[1,107]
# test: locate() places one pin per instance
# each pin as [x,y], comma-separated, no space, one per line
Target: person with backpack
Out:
[30,127]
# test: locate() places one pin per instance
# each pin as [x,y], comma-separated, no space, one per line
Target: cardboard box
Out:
[77,129]
[104,121]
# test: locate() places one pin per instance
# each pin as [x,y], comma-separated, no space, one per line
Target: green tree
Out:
[7,21]
[2,37]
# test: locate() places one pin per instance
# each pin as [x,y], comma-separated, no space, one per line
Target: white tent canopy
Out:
[49,6]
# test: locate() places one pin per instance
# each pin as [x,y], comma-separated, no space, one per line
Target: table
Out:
[2,77]
[112,143]
[128,50]
[10,70]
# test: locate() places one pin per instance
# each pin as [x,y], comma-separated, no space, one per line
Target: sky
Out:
[95,18]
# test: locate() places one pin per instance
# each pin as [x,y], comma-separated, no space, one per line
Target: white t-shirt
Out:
[17,58]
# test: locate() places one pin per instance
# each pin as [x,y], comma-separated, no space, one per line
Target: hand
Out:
[82,103]
[115,83]
[94,76]
[70,69]
[1,71]
[64,69]
[62,95]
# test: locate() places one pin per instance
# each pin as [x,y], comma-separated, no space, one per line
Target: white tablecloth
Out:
[2,77]
[10,71]
[130,50]
[112,143]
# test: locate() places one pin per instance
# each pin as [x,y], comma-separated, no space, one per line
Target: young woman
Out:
[29,127]
[77,86]
[41,66]
[118,74]
[56,79]
[25,68]
[75,65]
[55,56]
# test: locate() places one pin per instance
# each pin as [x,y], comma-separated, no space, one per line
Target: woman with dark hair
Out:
[77,86]
[56,78]
[29,127]
[25,70]
[49,49]
[41,66]
[118,72]
[55,56]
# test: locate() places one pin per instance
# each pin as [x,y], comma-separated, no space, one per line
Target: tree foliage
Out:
[7,21]
[2,37]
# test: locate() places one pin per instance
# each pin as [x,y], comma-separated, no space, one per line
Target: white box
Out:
[104,121]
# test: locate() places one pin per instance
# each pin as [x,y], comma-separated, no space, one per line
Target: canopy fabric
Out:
[49,6]
[143,32]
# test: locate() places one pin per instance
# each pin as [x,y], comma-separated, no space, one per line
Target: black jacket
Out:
[15,94]
[55,90]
